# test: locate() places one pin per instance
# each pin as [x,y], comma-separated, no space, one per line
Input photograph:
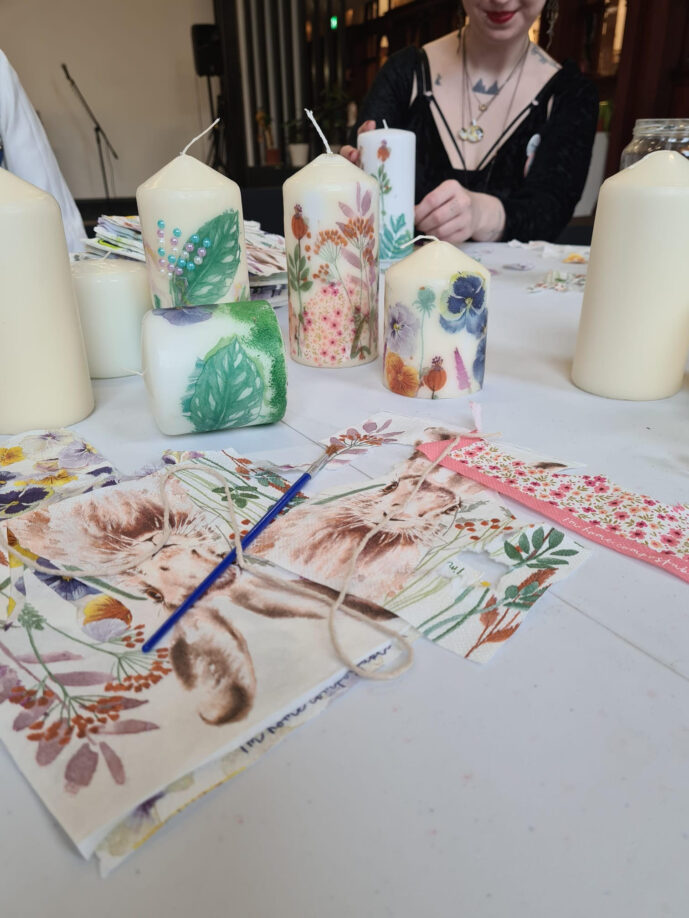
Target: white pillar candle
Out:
[214,367]
[44,377]
[113,297]
[389,155]
[331,239]
[634,329]
[193,232]
[434,332]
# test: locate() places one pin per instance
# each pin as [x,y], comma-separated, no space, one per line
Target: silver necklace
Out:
[475,133]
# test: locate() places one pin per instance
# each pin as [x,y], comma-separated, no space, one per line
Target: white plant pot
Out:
[298,153]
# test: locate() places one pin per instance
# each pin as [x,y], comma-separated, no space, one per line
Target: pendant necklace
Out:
[475,133]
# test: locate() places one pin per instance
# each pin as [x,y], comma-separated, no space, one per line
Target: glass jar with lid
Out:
[656,134]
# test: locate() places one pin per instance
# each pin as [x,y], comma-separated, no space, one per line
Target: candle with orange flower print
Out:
[436,313]
[331,238]
[389,155]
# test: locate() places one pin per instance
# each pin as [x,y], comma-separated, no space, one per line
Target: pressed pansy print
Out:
[592,505]
[401,329]
[464,306]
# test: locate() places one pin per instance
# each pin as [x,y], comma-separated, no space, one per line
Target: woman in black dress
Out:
[504,133]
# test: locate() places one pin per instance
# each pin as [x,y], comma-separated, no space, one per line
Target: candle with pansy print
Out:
[389,155]
[436,313]
[193,233]
[331,239]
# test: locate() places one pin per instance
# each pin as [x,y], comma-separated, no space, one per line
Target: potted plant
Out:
[297,143]
[265,138]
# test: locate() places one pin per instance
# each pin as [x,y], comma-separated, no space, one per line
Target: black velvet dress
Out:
[560,123]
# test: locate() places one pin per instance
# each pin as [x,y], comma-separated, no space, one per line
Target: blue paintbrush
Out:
[219,569]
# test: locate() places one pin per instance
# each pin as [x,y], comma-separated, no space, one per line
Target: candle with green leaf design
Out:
[193,232]
[214,367]
[389,155]
[331,239]
[436,314]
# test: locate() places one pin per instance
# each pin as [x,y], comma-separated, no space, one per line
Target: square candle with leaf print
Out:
[331,239]
[193,233]
[436,315]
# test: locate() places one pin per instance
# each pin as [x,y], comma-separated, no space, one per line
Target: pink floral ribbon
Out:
[591,505]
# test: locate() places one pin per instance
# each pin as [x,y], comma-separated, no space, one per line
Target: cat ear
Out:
[211,659]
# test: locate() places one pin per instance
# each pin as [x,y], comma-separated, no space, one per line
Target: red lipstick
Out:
[500,18]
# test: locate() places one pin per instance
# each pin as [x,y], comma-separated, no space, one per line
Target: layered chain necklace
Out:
[474,133]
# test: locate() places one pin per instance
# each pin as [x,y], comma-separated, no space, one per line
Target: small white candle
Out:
[331,239]
[44,376]
[214,367]
[389,155]
[436,312]
[113,297]
[193,232]
[634,330]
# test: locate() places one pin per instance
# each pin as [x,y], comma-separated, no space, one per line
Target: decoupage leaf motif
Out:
[365,202]
[129,726]
[353,259]
[346,210]
[114,763]
[537,538]
[524,542]
[210,281]
[512,552]
[80,769]
[226,390]
[555,537]
[83,678]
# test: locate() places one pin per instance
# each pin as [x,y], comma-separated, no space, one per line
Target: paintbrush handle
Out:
[229,559]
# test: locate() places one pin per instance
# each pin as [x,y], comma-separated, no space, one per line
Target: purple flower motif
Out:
[13,502]
[401,330]
[5,477]
[184,315]
[66,587]
[465,306]
[79,455]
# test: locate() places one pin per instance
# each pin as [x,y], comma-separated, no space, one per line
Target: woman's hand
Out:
[352,153]
[454,214]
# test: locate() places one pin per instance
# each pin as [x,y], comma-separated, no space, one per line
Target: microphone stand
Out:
[98,130]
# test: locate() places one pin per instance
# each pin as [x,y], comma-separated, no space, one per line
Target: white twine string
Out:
[416,239]
[309,115]
[199,136]
[385,125]
[344,656]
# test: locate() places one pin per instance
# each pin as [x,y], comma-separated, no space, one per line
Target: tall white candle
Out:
[113,297]
[434,331]
[389,155]
[634,330]
[193,231]
[331,238]
[44,377]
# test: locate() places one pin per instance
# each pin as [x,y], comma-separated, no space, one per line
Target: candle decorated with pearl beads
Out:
[193,233]
[389,155]
[436,313]
[331,239]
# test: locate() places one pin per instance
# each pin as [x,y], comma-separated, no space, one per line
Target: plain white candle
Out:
[434,330]
[113,297]
[389,155]
[331,239]
[44,376]
[634,330]
[193,232]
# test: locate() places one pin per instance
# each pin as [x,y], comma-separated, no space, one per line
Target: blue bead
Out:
[172,259]
[177,231]
[161,224]
[206,243]
[194,238]
[182,265]
[191,266]
[161,251]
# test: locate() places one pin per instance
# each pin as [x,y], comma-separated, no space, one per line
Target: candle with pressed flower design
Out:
[193,232]
[436,311]
[331,238]
[44,377]
[389,155]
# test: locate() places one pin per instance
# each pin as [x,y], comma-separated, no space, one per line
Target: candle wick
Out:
[199,136]
[385,124]
[416,239]
[309,115]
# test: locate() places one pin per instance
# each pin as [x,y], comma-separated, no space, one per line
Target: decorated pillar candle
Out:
[113,297]
[634,329]
[434,332]
[214,367]
[331,239]
[193,232]
[44,378]
[389,155]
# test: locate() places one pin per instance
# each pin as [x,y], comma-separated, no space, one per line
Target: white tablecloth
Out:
[550,782]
